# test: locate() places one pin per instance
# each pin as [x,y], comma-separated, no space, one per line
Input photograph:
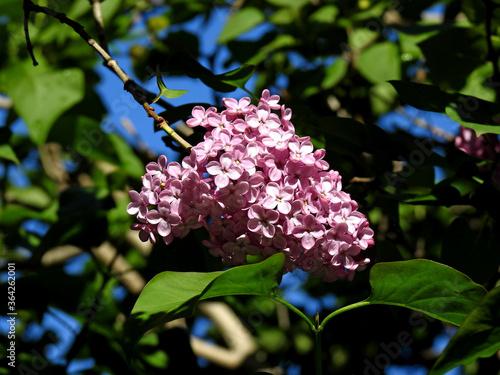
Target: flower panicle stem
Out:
[163,125]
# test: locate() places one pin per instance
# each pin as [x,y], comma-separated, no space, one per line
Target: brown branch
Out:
[140,95]
[79,29]
[361,180]
[99,23]
[29,46]
[163,125]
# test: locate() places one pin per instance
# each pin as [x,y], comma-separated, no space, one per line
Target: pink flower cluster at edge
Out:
[485,147]
[258,188]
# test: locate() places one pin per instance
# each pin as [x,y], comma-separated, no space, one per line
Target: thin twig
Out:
[361,180]
[162,124]
[492,55]
[29,46]
[140,95]
[99,23]
[79,29]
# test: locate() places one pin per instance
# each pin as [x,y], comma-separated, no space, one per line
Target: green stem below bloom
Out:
[297,311]
[340,311]
[316,328]
[318,358]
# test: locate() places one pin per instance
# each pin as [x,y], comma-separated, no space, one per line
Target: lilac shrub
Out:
[258,188]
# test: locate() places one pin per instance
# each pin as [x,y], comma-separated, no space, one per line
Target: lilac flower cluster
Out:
[485,147]
[258,188]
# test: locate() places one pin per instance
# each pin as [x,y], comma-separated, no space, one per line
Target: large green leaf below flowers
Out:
[173,295]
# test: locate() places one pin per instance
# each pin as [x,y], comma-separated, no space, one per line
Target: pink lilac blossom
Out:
[485,147]
[257,188]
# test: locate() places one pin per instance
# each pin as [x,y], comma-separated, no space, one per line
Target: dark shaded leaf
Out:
[473,252]
[477,337]
[480,115]
[444,49]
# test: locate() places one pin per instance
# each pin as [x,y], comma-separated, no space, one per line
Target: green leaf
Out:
[166,92]
[477,337]
[422,96]
[82,137]
[335,73]
[374,11]
[325,14]
[469,111]
[40,96]
[380,62]
[31,196]
[240,22]
[474,10]
[474,252]
[361,37]
[445,49]
[129,161]
[6,152]
[225,82]
[410,37]
[456,113]
[281,41]
[15,214]
[172,295]
[426,286]
[237,77]
[229,81]
[284,16]
[382,98]
[351,134]
[288,3]
[478,84]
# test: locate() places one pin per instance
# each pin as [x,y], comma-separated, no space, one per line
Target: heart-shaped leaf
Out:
[173,295]
[423,285]
[478,336]
[240,22]
[389,66]
[40,95]
[6,152]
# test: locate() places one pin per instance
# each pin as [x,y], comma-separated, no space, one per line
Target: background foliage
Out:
[350,71]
